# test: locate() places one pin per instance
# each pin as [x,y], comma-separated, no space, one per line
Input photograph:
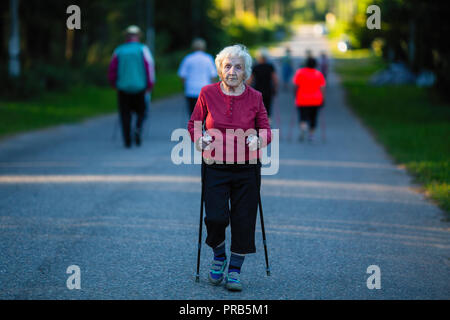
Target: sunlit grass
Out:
[350,54]
[78,103]
[411,122]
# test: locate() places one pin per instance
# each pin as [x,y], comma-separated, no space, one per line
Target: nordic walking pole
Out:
[277,116]
[322,119]
[203,172]
[263,231]
[322,124]
[197,276]
[146,128]
[291,125]
[264,237]
[116,125]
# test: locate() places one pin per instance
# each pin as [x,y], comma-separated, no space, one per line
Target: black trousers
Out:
[308,115]
[267,100]
[191,101]
[231,197]
[129,103]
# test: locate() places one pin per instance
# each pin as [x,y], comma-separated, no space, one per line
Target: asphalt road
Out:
[72,195]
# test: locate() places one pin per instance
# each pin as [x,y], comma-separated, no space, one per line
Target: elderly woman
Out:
[231,183]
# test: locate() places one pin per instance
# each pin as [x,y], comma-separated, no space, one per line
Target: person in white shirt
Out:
[196,71]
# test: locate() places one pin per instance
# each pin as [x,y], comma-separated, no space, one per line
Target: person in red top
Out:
[310,92]
[237,128]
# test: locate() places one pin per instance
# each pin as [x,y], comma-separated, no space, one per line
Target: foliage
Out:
[411,122]
[71,105]
[53,58]
[412,31]
[247,31]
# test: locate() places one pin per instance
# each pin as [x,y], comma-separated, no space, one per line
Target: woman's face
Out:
[233,71]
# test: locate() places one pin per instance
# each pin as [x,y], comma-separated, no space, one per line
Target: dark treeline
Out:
[413,31]
[53,57]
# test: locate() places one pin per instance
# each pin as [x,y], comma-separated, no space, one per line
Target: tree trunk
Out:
[238,8]
[150,22]
[14,40]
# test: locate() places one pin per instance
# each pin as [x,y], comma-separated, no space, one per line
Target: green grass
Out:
[167,84]
[412,123]
[78,103]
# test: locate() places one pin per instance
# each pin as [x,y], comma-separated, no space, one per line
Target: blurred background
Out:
[55,58]
[397,78]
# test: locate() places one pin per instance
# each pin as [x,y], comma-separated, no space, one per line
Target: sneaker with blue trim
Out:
[216,273]
[233,282]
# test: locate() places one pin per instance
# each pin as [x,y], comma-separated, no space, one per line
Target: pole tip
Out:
[197,278]
[268,272]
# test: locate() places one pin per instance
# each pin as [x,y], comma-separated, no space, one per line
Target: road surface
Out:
[72,195]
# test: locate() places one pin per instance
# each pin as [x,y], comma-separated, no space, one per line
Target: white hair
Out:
[199,44]
[237,50]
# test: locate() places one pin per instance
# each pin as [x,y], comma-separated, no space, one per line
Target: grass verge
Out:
[412,123]
[76,104]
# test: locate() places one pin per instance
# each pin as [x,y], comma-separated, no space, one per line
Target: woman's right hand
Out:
[203,142]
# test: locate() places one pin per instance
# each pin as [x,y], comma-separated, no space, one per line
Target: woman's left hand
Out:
[253,142]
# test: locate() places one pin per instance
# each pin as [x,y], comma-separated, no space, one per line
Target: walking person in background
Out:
[132,73]
[196,71]
[308,54]
[310,92]
[323,64]
[323,67]
[264,79]
[286,68]
[231,185]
